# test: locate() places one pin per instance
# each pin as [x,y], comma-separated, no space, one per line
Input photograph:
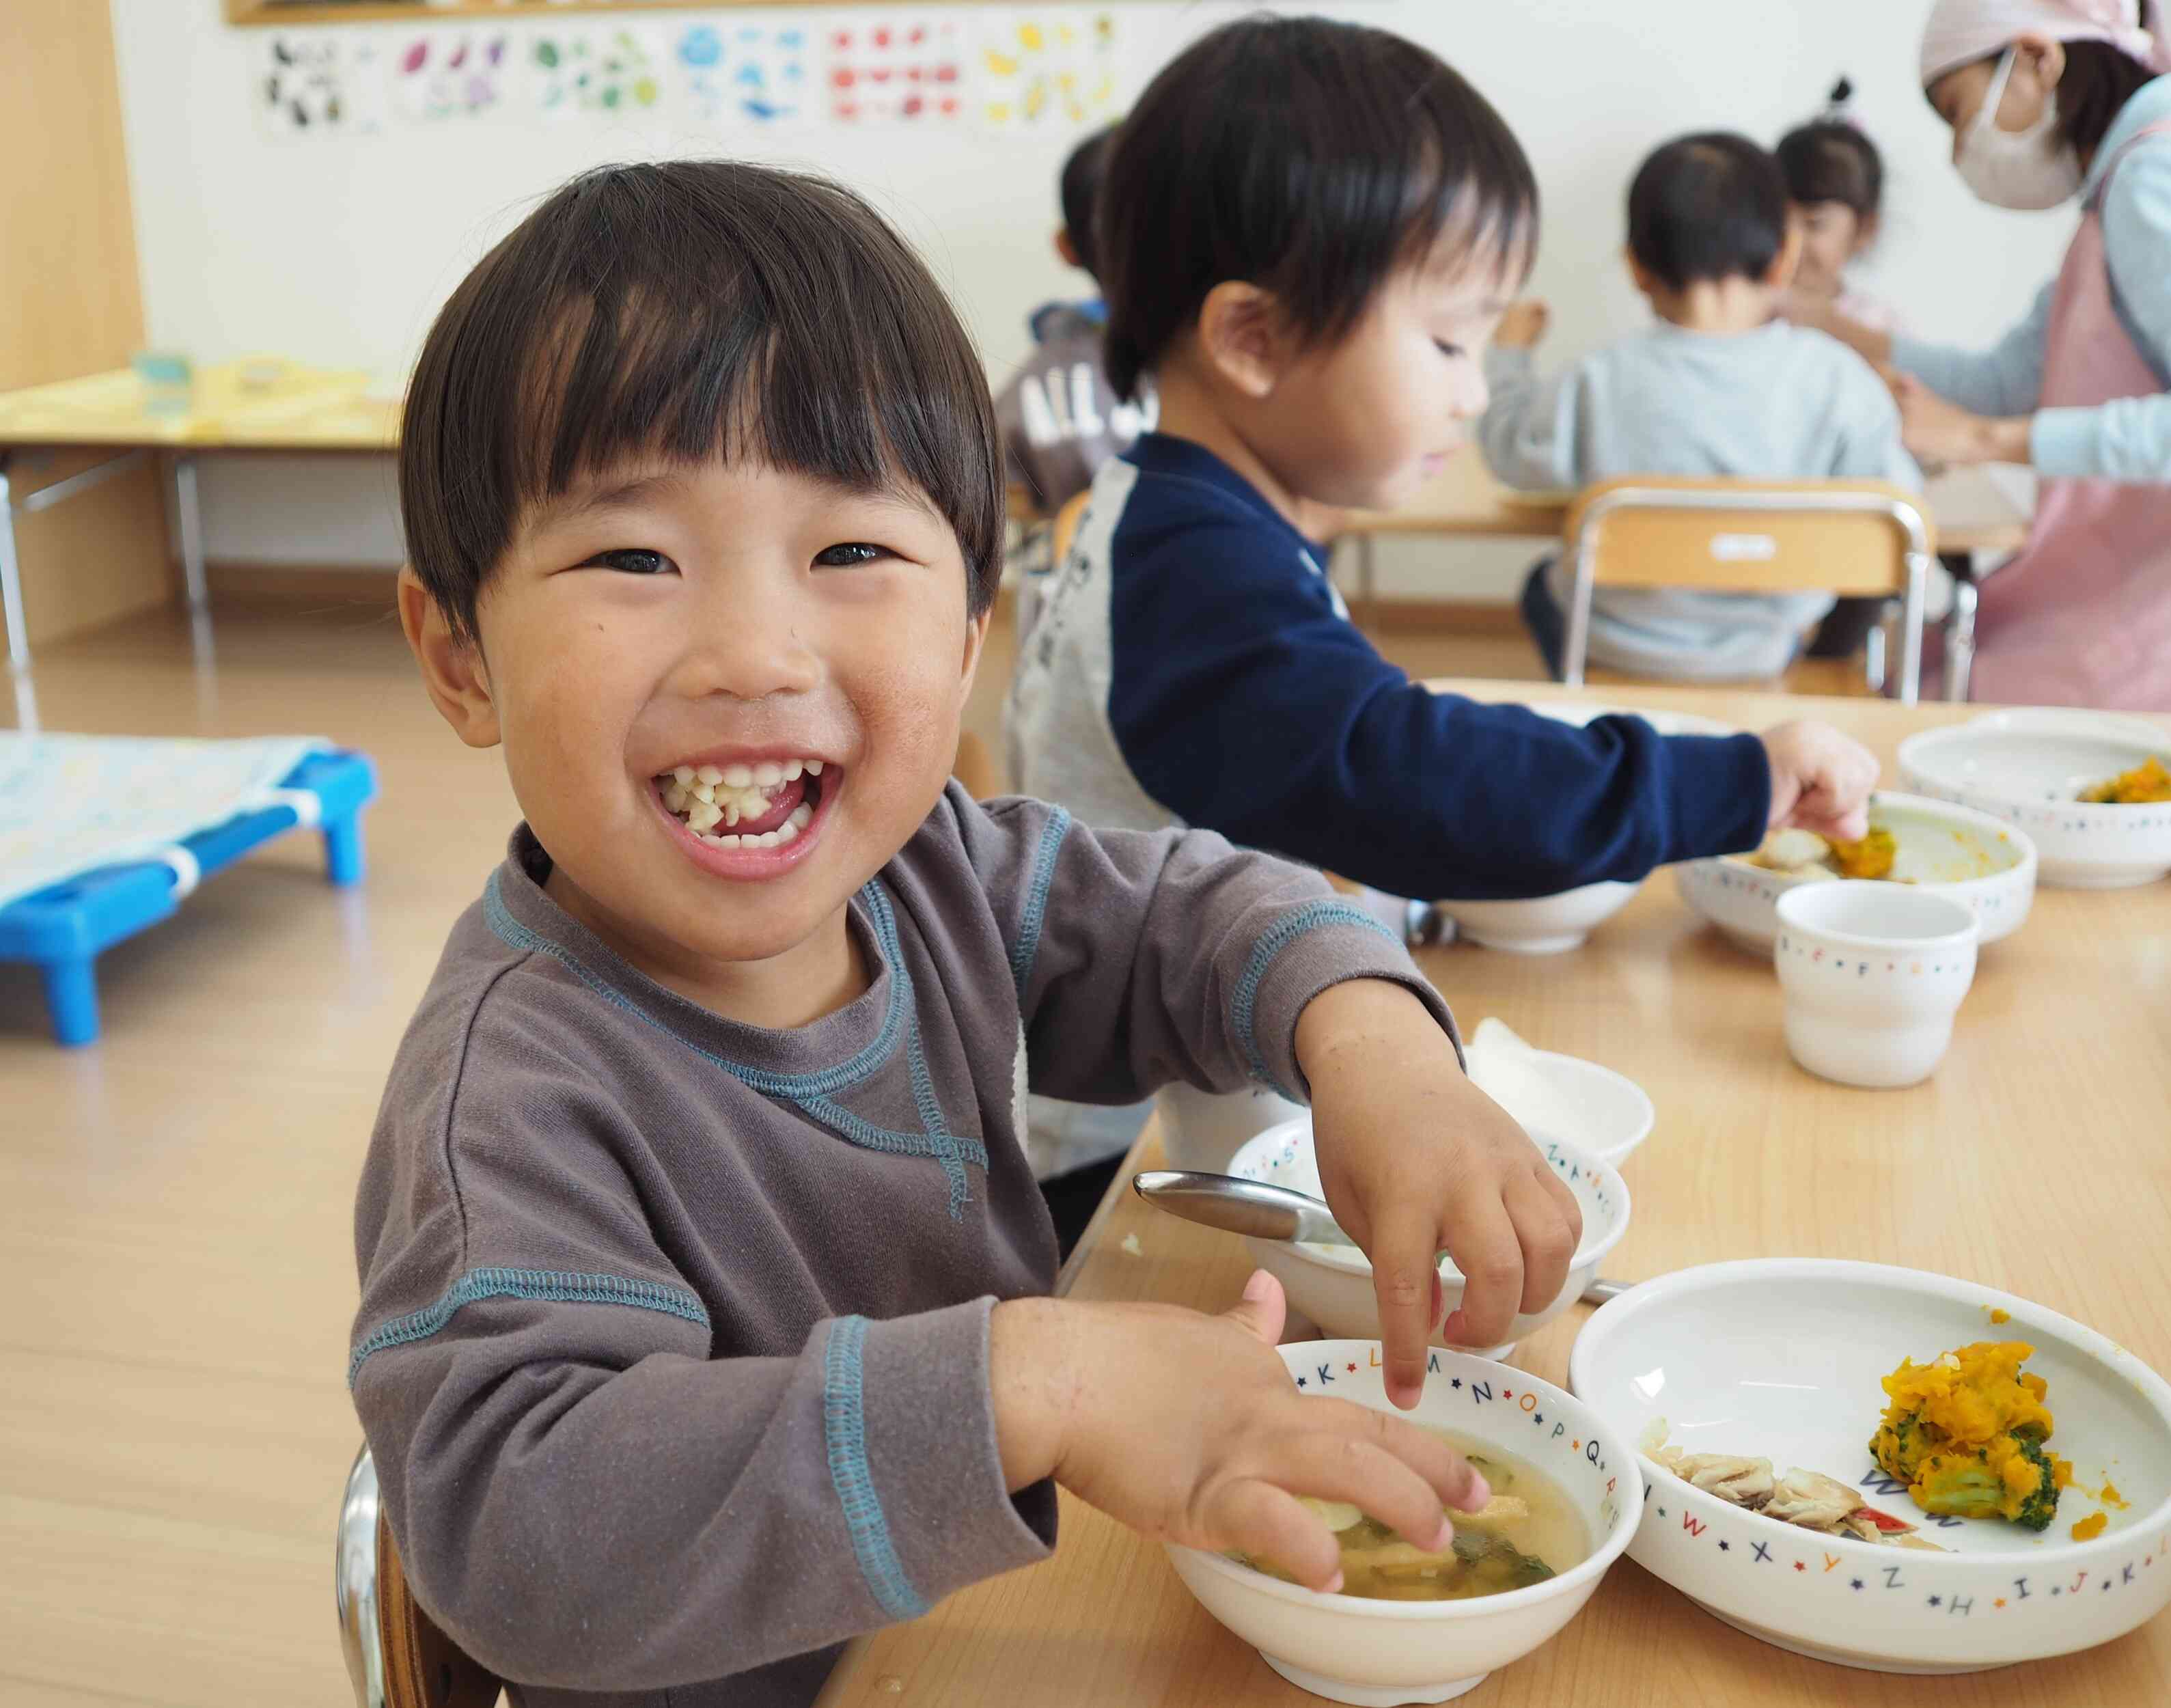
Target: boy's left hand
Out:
[1415,1160]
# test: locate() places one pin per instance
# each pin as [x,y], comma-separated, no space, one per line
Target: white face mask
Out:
[2022,169]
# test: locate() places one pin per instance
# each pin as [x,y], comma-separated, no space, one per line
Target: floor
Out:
[174,1202]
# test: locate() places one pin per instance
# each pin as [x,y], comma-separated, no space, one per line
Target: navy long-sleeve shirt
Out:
[1192,664]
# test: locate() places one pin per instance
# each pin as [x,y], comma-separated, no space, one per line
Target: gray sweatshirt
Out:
[1782,402]
[672,1348]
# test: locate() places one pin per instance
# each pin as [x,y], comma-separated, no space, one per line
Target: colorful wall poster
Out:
[439,74]
[610,68]
[757,71]
[908,67]
[1047,68]
[320,82]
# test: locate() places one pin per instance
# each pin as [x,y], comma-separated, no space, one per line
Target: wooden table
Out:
[258,405]
[2035,1160]
[1971,512]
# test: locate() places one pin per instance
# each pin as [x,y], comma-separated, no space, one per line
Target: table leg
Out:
[189,512]
[11,580]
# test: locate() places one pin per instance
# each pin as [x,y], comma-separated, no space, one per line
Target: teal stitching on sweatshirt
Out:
[555,1285]
[1312,916]
[810,1092]
[844,1430]
[789,1085]
[1027,947]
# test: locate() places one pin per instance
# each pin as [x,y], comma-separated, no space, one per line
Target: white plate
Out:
[1975,857]
[1377,1653]
[1333,1284]
[2029,767]
[1781,1359]
[1550,924]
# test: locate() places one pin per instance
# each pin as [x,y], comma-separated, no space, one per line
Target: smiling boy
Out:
[703,1322]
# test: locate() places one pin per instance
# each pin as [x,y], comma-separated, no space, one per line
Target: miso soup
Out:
[1529,1532]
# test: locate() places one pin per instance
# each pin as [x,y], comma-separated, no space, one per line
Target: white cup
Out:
[1872,975]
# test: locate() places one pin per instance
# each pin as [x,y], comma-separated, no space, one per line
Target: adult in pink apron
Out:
[2049,99]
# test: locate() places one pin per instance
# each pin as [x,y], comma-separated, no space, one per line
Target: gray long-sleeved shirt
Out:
[1780,402]
[2129,438]
[672,1348]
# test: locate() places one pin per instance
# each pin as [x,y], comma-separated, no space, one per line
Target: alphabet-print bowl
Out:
[1782,1359]
[1333,1284]
[1377,1653]
[2030,767]
[1548,924]
[1969,856]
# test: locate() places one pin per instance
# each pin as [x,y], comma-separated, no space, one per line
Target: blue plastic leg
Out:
[72,1000]
[343,850]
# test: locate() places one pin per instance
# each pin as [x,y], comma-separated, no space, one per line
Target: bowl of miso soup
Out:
[1412,1626]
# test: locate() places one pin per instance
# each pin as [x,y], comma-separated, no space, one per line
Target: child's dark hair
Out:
[1712,205]
[685,310]
[1083,173]
[1310,158]
[1830,159]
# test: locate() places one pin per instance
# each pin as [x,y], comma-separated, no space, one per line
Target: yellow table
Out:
[257,405]
[2034,1161]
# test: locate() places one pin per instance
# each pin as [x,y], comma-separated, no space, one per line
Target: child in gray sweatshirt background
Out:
[1716,387]
[703,1320]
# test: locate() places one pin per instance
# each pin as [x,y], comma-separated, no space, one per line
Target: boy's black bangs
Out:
[688,313]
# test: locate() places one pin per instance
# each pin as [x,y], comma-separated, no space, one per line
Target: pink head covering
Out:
[1960,32]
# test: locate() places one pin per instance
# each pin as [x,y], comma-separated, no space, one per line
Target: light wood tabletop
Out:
[1972,513]
[259,404]
[2034,1161]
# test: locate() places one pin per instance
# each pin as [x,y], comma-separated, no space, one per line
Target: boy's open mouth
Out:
[765,805]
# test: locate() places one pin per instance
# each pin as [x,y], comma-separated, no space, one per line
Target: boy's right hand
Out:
[1188,1429]
[1523,326]
[1820,779]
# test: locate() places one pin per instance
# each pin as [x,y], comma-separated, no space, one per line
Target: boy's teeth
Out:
[706,797]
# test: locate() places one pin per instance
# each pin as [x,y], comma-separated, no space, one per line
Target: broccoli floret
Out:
[2012,1479]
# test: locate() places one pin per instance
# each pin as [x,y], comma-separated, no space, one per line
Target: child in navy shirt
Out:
[1309,231]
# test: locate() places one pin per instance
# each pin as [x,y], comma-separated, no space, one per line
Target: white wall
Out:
[338,251]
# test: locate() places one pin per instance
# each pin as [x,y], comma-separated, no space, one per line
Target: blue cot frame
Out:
[63,929]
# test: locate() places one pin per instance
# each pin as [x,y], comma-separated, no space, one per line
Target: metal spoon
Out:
[1266,1211]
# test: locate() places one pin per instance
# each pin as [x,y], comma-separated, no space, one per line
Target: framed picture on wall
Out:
[287,11]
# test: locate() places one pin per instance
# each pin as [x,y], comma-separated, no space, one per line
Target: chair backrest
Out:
[1066,527]
[1734,535]
[396,1657]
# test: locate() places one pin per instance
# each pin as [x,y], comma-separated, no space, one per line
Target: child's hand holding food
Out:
[1188,1428]
[1821,781]
[1415,1160]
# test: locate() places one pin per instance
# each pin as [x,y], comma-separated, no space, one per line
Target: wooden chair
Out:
[1066,527]
[396,1657]
[1728,536]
